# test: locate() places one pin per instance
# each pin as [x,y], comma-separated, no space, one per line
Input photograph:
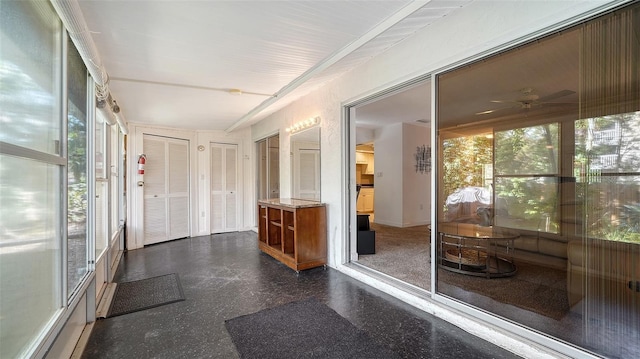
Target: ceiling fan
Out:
[529,99]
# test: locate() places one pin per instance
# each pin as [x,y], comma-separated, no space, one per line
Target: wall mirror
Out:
[305,164]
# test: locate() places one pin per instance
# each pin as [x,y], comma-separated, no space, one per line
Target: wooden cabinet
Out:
[366,159]
[369,170]
[365,200]
[293,231]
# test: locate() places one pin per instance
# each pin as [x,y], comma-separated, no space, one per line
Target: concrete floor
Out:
[225,275]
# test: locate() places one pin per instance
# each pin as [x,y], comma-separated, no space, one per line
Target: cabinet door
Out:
[360,158]
[360,203]
[370,168]
[368,203]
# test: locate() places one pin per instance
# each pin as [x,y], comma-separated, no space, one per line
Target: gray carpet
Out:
[302,329]
[145,293]
[404,253]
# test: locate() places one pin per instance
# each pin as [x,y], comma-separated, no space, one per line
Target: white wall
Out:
[402,196]
[416,186]
[388,175]
[364,135]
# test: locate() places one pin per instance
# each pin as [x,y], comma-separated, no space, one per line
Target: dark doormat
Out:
[146,293]
[302,329]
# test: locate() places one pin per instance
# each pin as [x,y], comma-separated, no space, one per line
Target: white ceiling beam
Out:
[335,57]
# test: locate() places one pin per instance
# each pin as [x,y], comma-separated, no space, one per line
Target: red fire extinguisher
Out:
[142,159]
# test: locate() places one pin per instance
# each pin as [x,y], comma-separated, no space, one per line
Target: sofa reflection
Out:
[473,205]
[597,270]
[605,271]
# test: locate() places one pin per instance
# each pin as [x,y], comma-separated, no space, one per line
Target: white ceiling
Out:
[172,63]
[488,91]
[412,105]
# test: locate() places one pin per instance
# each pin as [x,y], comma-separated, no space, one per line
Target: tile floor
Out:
[225,275]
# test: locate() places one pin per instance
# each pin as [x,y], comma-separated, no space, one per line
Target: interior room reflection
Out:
[538,180]
[305,164]
[268,167]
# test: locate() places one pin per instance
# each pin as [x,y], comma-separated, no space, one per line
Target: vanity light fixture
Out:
[303,125]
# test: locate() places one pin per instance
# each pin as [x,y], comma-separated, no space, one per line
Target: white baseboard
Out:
[82,342]
[105,300]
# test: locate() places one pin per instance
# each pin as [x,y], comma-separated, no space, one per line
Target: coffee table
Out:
[476,250]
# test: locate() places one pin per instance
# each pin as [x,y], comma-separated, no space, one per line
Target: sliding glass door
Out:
[539,185]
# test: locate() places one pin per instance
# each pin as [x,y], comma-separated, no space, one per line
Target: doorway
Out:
[392,171]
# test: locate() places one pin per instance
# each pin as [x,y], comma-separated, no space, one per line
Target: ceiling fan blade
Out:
[556,95]
[503,101]
[485,112]
[558,103]
[494,110]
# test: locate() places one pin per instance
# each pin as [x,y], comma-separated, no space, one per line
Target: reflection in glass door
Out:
[554,155]
[268,167]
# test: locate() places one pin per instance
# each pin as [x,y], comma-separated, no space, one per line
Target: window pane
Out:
[113,179]
[529,150]
[607,168]
[30,252]
[30,75]
[101,216]
[604,261]
[609,144]
[274,166]
[564,112]
[30,200]
[268,152]
[77,168]
[612,207]
[100,137]
[261,150]
[529,203]
[467,162]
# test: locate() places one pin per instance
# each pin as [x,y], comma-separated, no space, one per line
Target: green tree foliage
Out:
[77,149]
[527,151]
[607,168]
[526,166]
[464,159]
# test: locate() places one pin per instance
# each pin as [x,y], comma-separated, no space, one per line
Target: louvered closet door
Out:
[178,189]
[224,188]
[166,189]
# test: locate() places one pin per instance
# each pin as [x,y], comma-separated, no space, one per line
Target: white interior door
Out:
[166,189]
[224,187]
